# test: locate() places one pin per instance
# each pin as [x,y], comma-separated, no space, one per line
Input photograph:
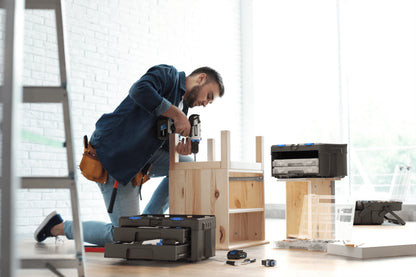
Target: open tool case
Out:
[309,160]
[375,212]
[182,237]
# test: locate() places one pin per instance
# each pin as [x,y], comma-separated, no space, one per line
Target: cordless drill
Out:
[165,126]
[195,134]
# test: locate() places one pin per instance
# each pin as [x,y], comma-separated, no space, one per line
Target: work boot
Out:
[44,229]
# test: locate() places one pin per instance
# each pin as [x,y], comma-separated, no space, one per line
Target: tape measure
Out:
[236,254]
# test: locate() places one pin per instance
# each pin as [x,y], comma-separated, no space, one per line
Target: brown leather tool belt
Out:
[92,169]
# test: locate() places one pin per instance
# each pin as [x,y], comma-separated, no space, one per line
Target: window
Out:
[315,82]
[296,77]
[379,65]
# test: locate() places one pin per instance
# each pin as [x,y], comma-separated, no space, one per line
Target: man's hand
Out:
[182,125]
[184,147]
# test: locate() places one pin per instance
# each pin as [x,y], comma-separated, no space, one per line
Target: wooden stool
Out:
[233,192]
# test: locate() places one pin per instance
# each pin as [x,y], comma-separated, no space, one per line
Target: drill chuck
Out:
[194,146]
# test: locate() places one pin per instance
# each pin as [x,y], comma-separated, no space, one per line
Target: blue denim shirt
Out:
[126,138]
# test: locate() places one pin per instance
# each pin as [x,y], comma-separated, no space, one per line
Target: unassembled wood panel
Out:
[372,251]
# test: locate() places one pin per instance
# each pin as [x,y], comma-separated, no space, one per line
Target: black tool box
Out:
[375,212]
[182,237]
[313,160]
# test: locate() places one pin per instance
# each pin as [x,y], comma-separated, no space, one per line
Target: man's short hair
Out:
[212,75]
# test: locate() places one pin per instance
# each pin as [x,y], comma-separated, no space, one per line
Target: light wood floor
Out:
[290,262]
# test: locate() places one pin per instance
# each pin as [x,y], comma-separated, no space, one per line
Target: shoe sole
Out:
[43,224]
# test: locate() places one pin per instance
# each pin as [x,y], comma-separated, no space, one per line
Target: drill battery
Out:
[164,127]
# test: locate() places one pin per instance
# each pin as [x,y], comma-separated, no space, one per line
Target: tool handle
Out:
[85,142]
[113,198]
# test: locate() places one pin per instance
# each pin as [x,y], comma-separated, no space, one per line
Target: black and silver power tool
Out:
[166,126]
[195,134]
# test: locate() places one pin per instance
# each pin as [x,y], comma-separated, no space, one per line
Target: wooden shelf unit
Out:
[233,192]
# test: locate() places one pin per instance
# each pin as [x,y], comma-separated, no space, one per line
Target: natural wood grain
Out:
[197,165]
[173,155]
[211,150]
[246,194]
[225,149]
[260,150]
[299,213]
[205,188]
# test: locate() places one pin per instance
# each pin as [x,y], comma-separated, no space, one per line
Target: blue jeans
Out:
[127,201]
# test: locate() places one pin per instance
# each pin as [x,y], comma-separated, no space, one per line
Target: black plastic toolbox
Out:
[314,160]
[190,237]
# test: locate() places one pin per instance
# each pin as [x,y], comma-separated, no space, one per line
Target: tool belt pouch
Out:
[91,167]
[141,178]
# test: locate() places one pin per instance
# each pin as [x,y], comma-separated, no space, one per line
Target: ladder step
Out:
[55,261]
[40,4]
[44,94]
[47,182]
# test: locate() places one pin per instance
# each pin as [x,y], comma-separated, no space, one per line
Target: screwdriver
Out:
[113,198]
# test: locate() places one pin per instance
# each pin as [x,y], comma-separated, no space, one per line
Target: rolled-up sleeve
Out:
[163,107]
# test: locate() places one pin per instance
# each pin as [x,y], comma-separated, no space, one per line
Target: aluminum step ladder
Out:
[59,95]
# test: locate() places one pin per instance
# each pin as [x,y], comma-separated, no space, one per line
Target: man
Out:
[125,144]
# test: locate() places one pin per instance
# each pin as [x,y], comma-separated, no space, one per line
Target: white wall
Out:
[111,44]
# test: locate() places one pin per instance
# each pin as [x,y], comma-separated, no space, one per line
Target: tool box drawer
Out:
[136,251]
[129,234]
[296,170]
[296,162]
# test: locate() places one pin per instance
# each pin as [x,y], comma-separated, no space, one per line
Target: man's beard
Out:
[192,96]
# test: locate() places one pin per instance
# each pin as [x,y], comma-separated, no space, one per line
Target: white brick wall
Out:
[111,44]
